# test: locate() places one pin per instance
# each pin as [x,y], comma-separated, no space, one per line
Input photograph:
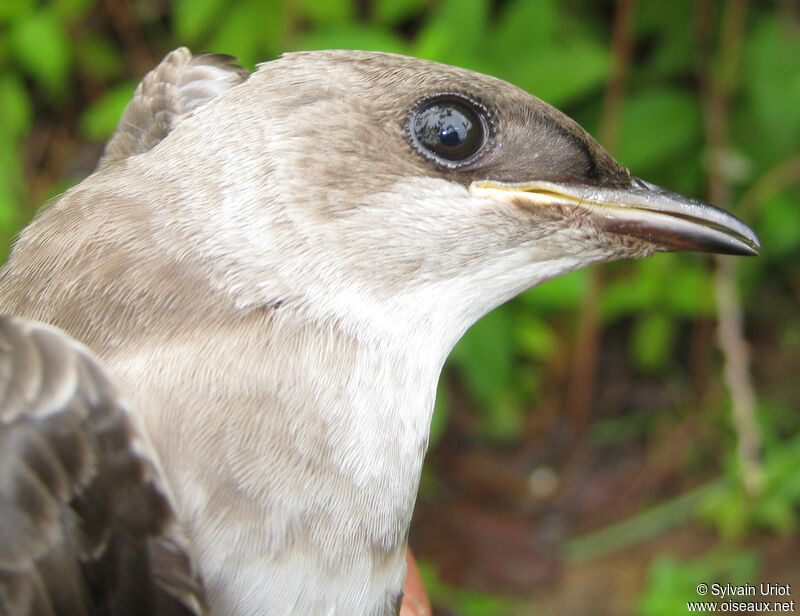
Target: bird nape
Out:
[221,348]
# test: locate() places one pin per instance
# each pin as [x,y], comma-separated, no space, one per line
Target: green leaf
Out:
[504,420]
[12,189]
[639,288]
[98,57]
[524,25]
[466,602]
[657,125]
[15,105]
[453,33]
[71,10]
[734,512]
[652,340]
[672,582]
[389,12]
[676,282]
[235,35]
[367,38]
[772,82]
[558,73]
[558,295]
[485,358]
[41,46]
[441,411]
[100,119]
[779,224]
[194,18]
[623,429]
[12,11]
[327,11]
[9,219]
[674,49]
[690,290]
[778,514]
[535,336]
[251,31]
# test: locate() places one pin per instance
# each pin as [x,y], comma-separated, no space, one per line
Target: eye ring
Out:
[450,129]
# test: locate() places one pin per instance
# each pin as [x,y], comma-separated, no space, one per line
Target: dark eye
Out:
[449,129]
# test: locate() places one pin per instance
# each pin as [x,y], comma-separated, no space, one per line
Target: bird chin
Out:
[640,212]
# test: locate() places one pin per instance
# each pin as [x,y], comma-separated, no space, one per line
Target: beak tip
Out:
[712,229]
[714,241]
[749,245]
[742,251]
[755,250]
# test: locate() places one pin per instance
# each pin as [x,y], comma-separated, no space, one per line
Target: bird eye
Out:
[449,129]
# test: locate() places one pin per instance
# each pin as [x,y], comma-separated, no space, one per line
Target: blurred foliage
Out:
[673,583]
[466,602]
[67,68]
[734,512]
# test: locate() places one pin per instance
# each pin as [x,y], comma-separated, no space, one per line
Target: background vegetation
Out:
[610,440]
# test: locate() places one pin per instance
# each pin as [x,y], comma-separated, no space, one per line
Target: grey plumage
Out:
[272,272]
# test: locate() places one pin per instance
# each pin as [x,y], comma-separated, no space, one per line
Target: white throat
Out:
[297,485]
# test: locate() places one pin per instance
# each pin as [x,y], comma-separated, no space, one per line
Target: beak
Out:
[641,210]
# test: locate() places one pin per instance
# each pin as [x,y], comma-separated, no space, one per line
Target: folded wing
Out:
[87,526]
[178,85]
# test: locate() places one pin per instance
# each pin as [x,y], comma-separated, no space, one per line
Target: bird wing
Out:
[178,85]
[87,527]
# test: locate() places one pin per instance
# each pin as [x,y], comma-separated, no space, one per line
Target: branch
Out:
[717,88]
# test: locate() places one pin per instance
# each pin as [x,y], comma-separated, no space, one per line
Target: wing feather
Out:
[87,527]
[178,85]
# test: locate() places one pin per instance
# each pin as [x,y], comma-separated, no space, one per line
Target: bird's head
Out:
[392,187]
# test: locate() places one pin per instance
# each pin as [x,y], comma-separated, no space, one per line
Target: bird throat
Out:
[306,467]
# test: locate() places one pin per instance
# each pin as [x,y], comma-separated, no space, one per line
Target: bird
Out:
[220,350]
